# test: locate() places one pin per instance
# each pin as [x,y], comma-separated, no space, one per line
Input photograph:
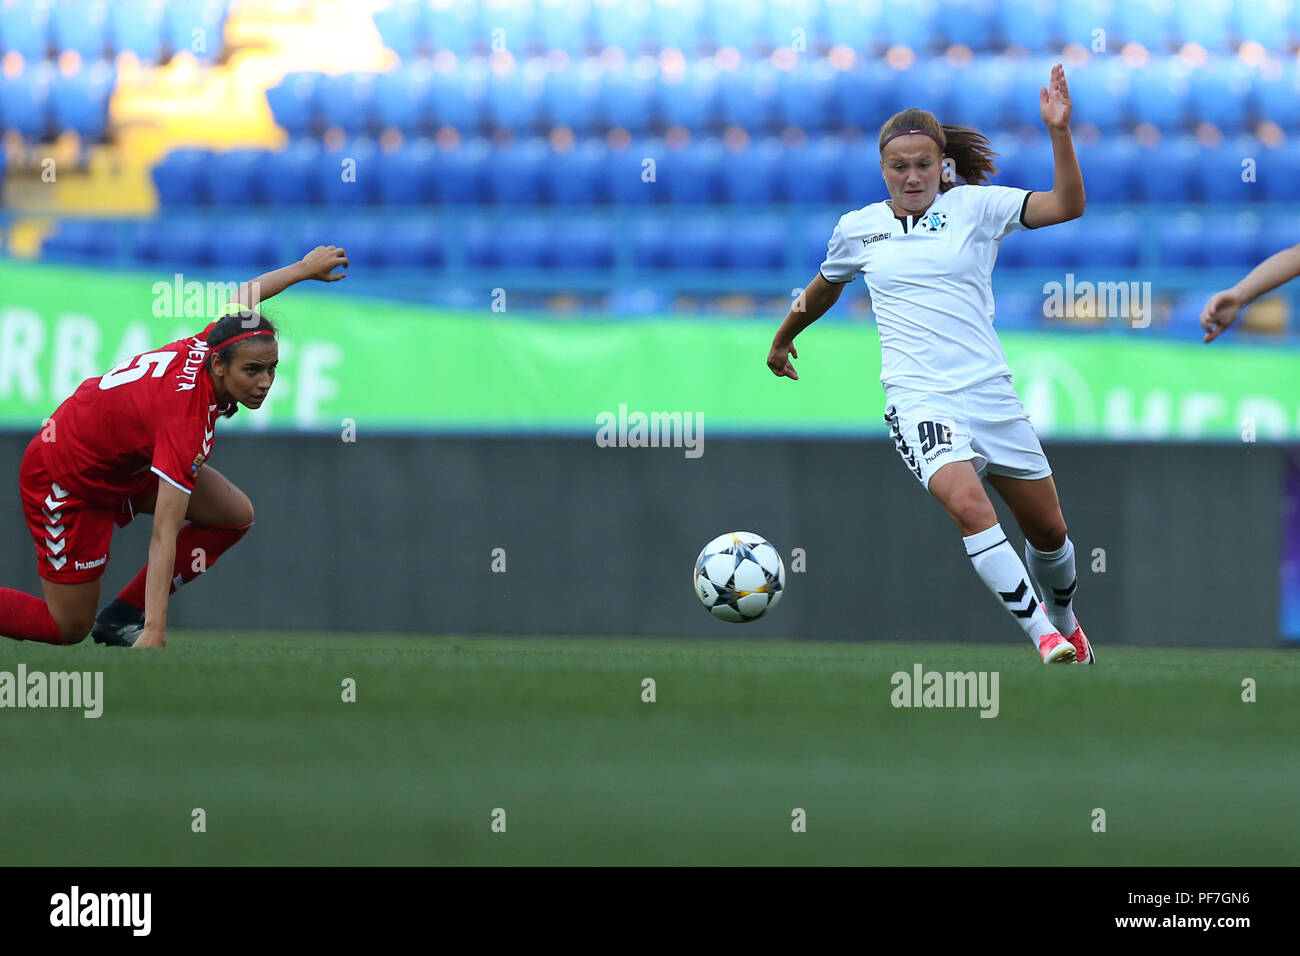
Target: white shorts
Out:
[984,424]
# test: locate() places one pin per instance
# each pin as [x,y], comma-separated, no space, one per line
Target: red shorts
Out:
[71,535]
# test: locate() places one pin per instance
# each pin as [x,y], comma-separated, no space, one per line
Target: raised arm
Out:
[1221,311]
[1066,199]
[317,264]
[815,301]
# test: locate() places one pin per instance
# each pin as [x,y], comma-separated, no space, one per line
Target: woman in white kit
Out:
[928,256]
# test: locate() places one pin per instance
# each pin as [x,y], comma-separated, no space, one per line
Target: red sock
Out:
[212,541]
[27,618]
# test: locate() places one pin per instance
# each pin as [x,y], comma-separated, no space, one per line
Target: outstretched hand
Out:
[1054,100]
[321,262]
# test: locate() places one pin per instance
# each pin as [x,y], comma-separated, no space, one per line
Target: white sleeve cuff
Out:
[170,481]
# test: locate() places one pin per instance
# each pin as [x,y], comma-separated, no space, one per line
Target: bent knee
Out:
[1047,535]
[75,631]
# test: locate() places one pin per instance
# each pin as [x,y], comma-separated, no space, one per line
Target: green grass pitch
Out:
[253,729]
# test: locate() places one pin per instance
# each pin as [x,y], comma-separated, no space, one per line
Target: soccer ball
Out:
[739,576]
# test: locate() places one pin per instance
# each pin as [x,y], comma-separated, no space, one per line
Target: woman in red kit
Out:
[136,440]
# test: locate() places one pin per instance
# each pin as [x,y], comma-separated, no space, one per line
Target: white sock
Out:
[1053,571]
[997,563]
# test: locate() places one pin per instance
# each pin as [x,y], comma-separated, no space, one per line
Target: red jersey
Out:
[151,415]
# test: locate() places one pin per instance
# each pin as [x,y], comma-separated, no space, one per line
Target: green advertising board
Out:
[389,366]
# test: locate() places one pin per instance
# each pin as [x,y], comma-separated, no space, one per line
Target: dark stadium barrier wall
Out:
[1177,544]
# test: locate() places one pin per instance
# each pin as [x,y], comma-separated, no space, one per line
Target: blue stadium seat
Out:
[852,23]
[859,174]
[1276,234]
[413,244]
[981,94]
[291,174]
[1182,240]
[137,26]
[866,96]
[175,242]
[1081,19]
[692,102]
[1277,91]
[345,102]
[509,26]
[811,173]
[1221,95]
[1268,24]
[1220,170]
[1102,94]
[456,27]
[574,177]
[240,177]
[1034,165]
[571,97]
[1109,241]
[403,27]
[25,28]
[1054,248]
[736,23]
[405,177]
[971,23]
[527,245]
[585,245]
[1166,171]
[1030,24]
[180,179]
[563,25]
[1146,22]
[627,24]
[365,241]
[349,175]
[629,100]
[929,87]
[460,174]
[1276,172]
[82,27]
[196,26]
[787,16]
[514,176]
[246,243]
[25,101]
[763,246]
[909,23]
[804,97]
[78,240]
[80,101]
[403,99]
[1027,78]
[682,25]
[652,240]
[815,237]
[751,176]
[514,102]
[693,174]
[1210,22]
[625,170]
[294,102]
[1109,169]
[701,243]
[458,100]
[747,96]
[1162,96]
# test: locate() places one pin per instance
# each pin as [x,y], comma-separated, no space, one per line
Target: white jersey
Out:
[931,283]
